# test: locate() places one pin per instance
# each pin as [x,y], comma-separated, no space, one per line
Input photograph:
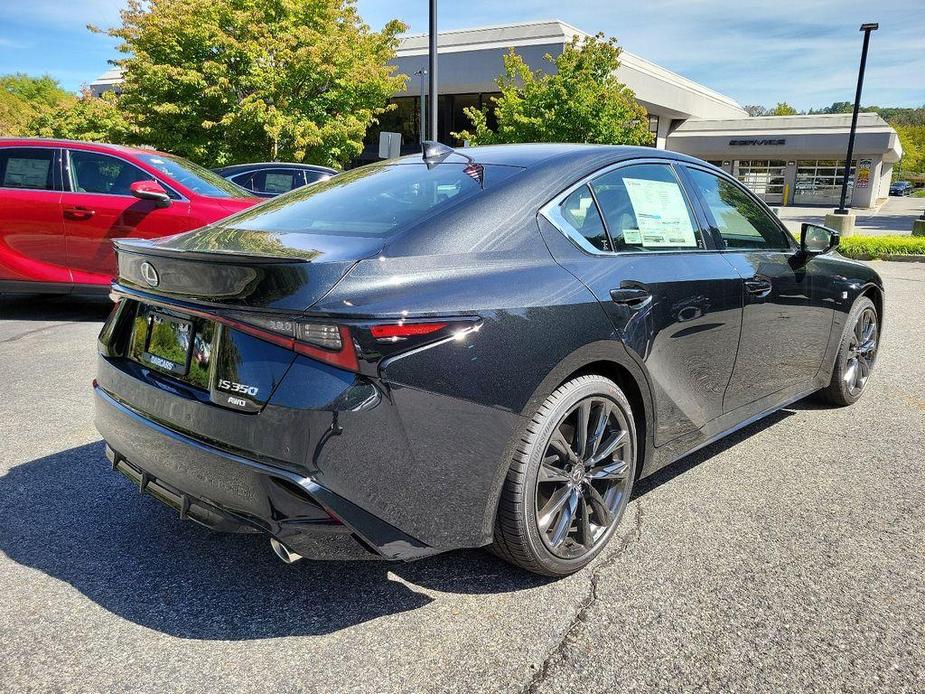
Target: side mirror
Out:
[150,190]
[816,239]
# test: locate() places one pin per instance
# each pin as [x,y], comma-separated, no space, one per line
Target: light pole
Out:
[422,122]
[432,67]
[866,28]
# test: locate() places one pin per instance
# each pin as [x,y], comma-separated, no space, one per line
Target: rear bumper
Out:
[229,492]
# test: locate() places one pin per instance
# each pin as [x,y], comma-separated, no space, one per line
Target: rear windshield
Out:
[372,200]
[194,177]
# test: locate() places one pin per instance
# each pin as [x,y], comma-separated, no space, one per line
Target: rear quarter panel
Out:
[458,406]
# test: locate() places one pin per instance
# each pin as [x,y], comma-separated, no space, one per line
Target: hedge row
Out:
[878,246]
[867,247]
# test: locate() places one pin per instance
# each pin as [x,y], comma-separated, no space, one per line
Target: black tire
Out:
[606,482]
[845,388]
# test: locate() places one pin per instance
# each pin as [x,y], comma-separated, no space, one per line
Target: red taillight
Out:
[403,330]
[345,357]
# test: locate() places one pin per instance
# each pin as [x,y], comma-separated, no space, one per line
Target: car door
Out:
[32,242]
[785,326]
[675,302]
[99,207]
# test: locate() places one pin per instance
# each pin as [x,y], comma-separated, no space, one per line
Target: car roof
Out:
[274,164]
[533,154]
[78,144]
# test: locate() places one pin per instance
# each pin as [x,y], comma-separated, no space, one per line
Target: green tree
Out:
[87,118]
[221,81]
[755,110]
[23,98]
[581,101]
[836,107]
[912,138]
[783,109]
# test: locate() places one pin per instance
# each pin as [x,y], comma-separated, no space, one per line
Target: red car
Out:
[63,202]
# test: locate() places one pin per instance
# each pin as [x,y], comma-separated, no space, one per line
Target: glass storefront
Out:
[819,182]
[764,177]
[405,119]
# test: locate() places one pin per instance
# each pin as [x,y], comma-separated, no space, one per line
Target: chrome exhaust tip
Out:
[283,552]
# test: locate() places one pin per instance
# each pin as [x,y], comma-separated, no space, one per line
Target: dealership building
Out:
[788,160]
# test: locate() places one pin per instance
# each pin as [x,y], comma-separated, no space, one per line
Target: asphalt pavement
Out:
[895,216]
[789,557]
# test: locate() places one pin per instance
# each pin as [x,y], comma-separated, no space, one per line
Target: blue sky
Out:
[805,52]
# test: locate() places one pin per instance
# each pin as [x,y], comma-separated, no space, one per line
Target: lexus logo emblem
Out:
[149,273]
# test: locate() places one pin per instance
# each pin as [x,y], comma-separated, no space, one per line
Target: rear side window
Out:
[579,213]
[276,181]
[645,209]
[373,200]
[741,221]
[98,173]
[29,168]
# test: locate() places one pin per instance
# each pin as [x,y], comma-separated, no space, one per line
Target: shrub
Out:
[878,246]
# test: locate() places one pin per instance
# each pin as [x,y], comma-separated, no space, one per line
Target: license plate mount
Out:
[168,343]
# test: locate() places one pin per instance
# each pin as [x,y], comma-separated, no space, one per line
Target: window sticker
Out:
[278,183]
[632,237]
[26,173]
[661,214]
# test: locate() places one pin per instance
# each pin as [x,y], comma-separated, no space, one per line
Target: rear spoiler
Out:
[145,247]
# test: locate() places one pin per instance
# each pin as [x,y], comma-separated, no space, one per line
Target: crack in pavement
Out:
[20,336]
[556,652]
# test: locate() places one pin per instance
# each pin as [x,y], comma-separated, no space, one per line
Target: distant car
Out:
[63,202]
[270,179]
[901,188]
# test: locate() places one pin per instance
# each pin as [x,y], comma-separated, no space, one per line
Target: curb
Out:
[892,257]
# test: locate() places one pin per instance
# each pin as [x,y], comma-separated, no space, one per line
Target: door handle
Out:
[78,213]
[758,286]
[634,297]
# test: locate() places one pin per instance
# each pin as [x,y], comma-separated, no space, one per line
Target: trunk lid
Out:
[247,269]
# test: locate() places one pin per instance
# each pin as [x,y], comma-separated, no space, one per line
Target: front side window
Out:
[315,176]
[645,209]
[91,172]
[740,220]
[29,168]
[193,177]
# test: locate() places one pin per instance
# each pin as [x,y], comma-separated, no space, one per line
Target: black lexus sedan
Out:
[269,179]
[480,347]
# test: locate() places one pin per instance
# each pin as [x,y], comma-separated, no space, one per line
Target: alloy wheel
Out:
[862,350]
[583,479]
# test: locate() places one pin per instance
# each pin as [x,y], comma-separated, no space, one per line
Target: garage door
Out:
[819,182]
[764,177]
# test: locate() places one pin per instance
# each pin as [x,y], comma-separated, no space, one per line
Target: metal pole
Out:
[432,71]
[422,121]
[866,28]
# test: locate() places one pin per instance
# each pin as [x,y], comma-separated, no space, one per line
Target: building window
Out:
[489,100]
[764,177]
[819,181]
[653,129]
[460,120]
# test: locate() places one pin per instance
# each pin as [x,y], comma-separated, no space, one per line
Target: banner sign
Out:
[863,173]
